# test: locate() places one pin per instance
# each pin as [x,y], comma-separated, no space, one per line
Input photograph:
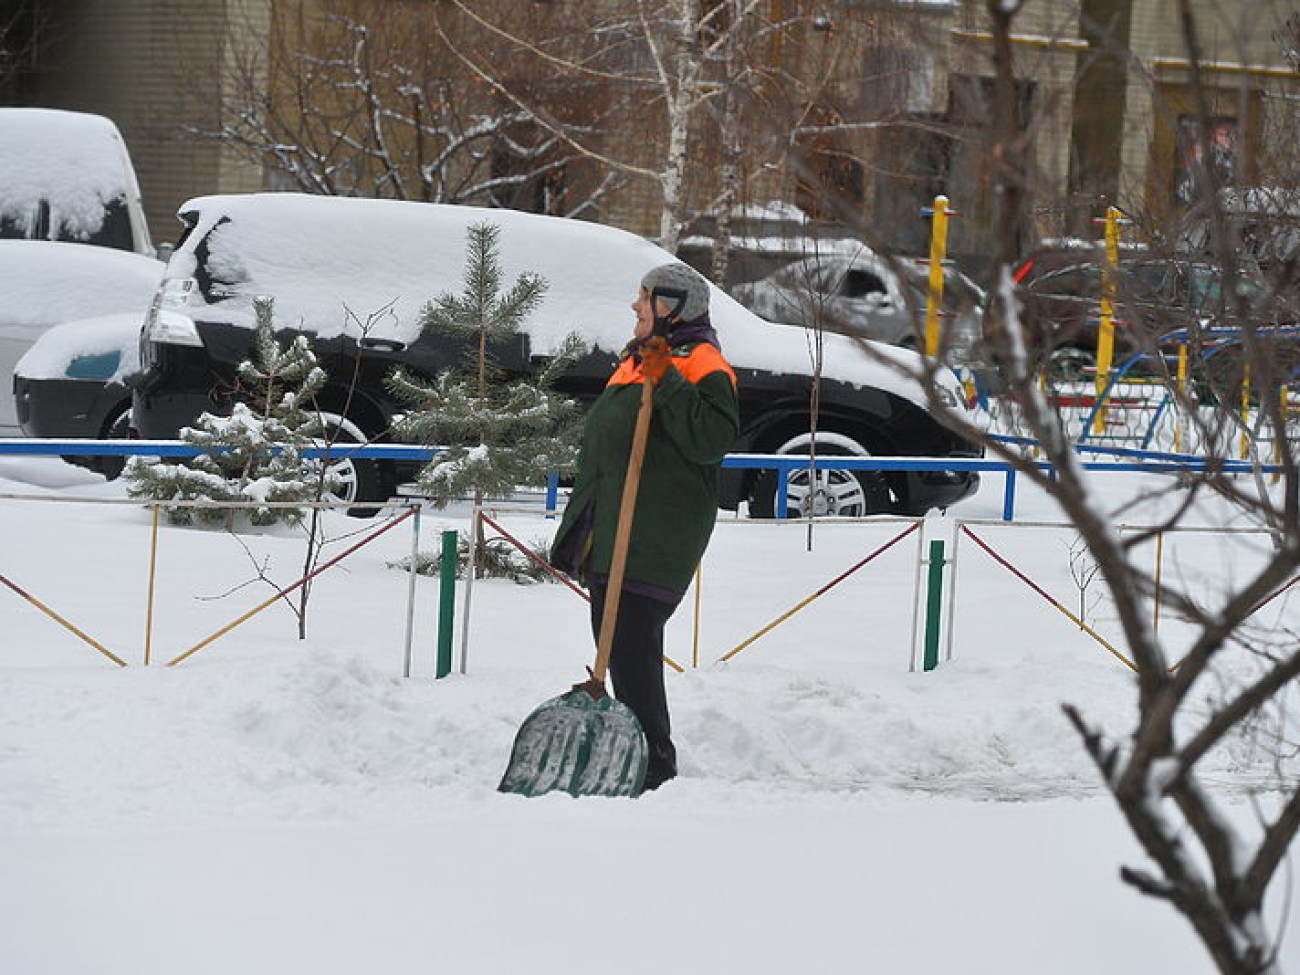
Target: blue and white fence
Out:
[1122,460]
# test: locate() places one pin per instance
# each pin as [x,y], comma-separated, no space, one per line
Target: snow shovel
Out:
[585,742]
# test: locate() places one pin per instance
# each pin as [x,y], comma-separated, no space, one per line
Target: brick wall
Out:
[149,65]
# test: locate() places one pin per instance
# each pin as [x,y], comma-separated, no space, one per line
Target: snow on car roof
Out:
[76,161]
[323,257]
[46,282]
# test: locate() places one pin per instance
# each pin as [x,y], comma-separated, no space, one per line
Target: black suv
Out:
[354,274]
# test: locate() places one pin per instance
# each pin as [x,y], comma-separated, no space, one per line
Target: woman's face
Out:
[645,317]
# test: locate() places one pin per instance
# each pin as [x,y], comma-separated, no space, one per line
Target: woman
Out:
[695,421]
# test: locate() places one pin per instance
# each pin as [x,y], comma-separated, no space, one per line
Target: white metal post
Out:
[469,587]
[916,595]
[410,589]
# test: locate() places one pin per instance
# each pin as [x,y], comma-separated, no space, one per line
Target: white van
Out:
[68,176]
[73,239]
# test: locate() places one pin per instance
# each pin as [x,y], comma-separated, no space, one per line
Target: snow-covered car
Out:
[46,283]
[70,384]
[1155,296]
[353,275]
[857,292]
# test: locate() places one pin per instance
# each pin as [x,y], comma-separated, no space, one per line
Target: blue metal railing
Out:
[1147,462]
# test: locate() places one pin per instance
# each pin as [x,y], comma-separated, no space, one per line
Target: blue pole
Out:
[552,491]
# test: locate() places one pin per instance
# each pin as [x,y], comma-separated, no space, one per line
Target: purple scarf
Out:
[687,333]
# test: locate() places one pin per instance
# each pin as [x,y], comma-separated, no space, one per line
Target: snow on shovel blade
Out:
[583,745]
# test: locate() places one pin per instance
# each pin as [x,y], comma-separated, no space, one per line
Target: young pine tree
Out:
[238,462]
[499,432]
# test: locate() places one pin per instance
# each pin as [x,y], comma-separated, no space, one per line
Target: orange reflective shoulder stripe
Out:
[694,366]
[704,359]
[627,373]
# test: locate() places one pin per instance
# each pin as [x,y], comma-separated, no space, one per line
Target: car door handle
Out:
[384,345]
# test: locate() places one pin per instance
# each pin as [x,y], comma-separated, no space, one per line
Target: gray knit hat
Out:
[679,277]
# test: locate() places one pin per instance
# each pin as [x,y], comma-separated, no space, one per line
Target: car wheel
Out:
[834,493]
[1068,364]
[354,479]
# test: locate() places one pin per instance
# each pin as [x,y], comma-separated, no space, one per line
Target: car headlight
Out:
[169,328]
[168,325]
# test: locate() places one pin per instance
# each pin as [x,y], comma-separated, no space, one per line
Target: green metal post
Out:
[446,601]
[934,600]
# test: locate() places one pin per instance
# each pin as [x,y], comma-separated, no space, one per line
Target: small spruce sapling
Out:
[239,462]
[498,432]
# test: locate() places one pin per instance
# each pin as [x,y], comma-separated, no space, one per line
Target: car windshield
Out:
[36,223]
[1083,281]
[859,283]
[810,275]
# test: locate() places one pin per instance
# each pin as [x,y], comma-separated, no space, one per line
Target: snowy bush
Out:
[255,454]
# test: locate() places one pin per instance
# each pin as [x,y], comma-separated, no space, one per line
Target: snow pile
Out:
[269,804]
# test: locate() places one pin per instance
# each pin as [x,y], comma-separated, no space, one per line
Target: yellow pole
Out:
[153,574]
[769,628]
[61,621]
[1182,391]
[1106,330]
[822,591]
[1160,561]
[1279,435]
[1042,388]
[302,582]
[938,250]
[1245,411]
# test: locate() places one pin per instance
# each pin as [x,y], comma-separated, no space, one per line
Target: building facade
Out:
[858,109]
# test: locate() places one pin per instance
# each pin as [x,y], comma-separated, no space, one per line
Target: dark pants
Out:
[636,667]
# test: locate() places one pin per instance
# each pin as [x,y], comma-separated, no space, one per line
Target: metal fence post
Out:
[933,606]
[447,600]
[410,591]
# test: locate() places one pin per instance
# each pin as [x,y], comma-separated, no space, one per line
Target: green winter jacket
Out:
[694,423]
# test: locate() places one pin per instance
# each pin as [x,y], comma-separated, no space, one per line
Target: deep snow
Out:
[269,805]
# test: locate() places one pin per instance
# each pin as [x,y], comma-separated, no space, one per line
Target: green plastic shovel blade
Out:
[578,744]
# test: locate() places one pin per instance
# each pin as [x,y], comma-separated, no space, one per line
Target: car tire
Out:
[359,479]
[838,493]
[1068,364]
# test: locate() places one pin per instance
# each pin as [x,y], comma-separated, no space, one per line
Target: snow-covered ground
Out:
[270,805]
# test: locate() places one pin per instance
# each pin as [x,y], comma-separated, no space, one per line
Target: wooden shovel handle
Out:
[623,532]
